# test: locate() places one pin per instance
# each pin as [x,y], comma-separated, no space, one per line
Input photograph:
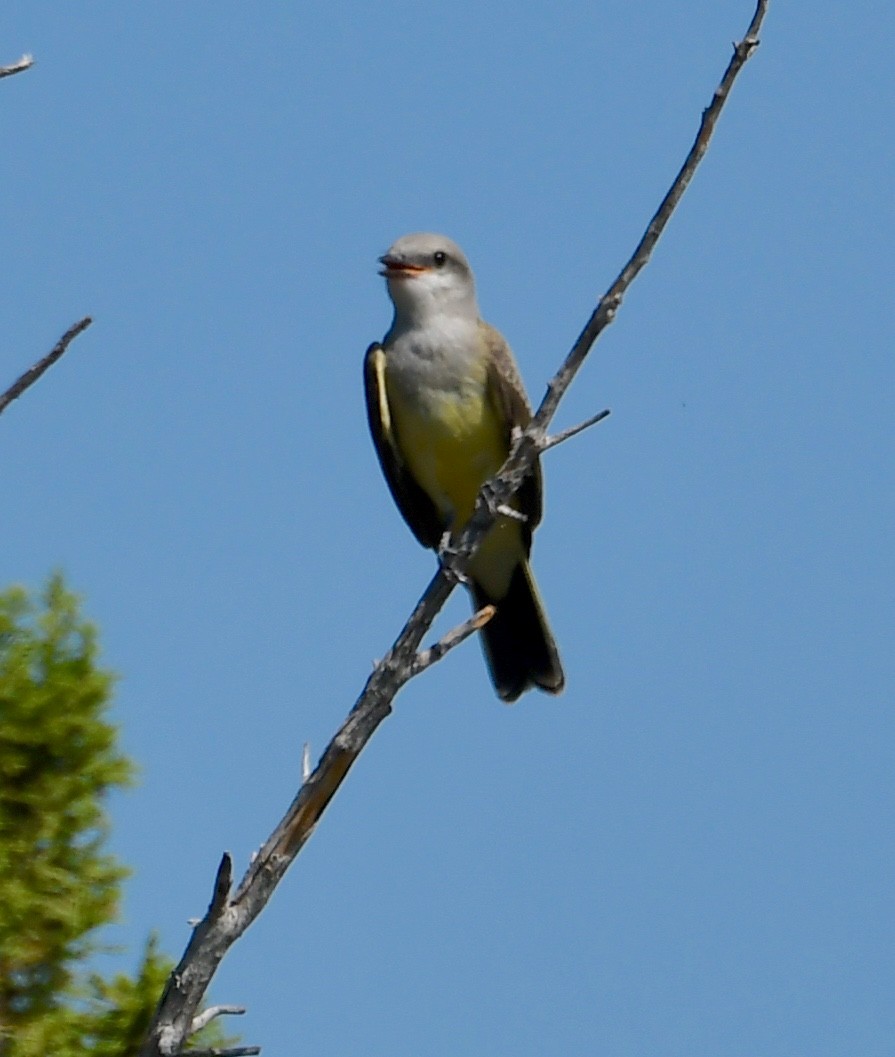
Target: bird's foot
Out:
[447,558]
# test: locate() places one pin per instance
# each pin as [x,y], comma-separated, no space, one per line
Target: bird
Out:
[444,397]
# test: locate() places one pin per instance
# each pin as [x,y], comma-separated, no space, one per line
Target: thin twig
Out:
[208,1015]
[33,373]
[505,510]
[573,431]
[531,442]
[234,1051]
[426,658]
[25,63]
[609,303]
[215,934]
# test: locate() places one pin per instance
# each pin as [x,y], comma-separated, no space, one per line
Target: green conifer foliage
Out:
[59,760]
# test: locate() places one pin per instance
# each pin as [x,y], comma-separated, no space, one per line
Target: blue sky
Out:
[689,852]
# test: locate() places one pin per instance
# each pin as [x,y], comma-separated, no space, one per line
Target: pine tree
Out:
[59,760]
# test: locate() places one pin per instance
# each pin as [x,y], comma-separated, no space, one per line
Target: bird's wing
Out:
[416,507]
[507,393]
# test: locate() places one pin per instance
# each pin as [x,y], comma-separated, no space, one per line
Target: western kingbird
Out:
[443,397]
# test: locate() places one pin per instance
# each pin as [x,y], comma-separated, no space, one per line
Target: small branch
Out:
[426,658]
[222,926]
[235,1051]
[208,1015]
[33,373]
[223,882]
[573,431]
[305,762]
[25,63]
[610,302]
[503,510]
[526,449]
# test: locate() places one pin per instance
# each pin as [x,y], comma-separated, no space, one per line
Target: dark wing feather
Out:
[416,507]
[506,391]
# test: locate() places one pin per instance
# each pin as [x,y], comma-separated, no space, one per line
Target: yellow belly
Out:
[451,446]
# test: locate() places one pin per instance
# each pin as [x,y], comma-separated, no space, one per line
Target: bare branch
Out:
[208,1015]
[532,440]
[426,658]
[573,431]
[222,883]
[609,303]
[25,63]
[235,1051]
[223,925]
[33,373]
[504,510]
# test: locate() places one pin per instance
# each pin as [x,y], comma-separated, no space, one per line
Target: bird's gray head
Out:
[428,276]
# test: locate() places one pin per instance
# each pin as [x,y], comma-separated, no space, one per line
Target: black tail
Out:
[517,640]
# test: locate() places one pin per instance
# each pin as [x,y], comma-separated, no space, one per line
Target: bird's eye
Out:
[440,257]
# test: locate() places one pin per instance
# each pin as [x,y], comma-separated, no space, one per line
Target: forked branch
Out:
[230,915]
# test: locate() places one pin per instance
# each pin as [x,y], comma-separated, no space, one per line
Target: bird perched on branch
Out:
[444,395]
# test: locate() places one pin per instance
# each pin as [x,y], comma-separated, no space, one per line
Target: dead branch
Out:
[235,1051]
[573,431]
[426,658]
[227,919]
[25,63]
[211,1013]
[33,373]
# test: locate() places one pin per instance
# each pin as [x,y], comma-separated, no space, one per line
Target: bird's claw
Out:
[447,556]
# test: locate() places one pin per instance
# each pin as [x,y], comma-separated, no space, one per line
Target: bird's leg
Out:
[448,554]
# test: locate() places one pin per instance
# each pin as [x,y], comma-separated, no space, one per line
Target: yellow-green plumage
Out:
[443,395]
[452,444]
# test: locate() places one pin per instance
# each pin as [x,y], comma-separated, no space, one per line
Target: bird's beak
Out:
[396,268]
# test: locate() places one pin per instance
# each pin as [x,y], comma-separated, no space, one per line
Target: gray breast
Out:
[447,358]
